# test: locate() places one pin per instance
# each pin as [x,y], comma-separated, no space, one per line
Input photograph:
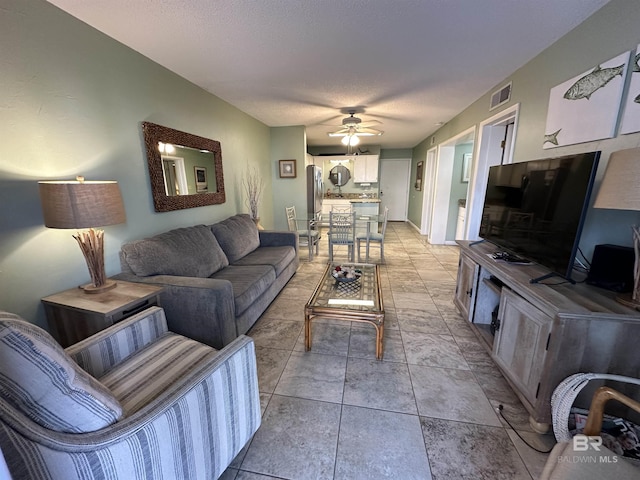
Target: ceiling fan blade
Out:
[339,133]
[366,132]
[369,123]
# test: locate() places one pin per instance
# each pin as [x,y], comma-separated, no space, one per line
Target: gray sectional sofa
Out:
[218,278]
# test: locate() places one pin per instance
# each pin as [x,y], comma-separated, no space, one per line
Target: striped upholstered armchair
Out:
[134,401]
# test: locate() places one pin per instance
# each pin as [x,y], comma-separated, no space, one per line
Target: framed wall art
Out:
[585,107]
[631,114]
[201,179]
[287,168]
[466,167]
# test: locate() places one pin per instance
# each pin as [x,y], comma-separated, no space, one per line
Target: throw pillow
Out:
[185,252]
[238,236]
[41,380]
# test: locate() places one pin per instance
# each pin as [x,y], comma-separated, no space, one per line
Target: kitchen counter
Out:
[352,198]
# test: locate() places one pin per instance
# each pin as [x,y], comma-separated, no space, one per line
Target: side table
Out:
[74,315]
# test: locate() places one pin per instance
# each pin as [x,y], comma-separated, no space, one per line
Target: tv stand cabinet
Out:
[544,332]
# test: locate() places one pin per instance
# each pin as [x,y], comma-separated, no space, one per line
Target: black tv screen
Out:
[536,209]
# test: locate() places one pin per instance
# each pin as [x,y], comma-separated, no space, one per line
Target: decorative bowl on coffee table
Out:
[346,274]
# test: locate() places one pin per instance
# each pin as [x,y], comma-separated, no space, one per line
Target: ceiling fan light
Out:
[350,140]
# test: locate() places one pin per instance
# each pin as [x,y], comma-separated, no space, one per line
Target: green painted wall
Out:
[71,102]
[391,153]
[609,32]
[288,143]
[458,189]
[414,211]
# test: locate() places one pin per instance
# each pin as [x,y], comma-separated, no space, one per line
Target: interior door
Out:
[394,188]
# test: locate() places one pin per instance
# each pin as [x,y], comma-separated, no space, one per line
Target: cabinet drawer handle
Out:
[136,309]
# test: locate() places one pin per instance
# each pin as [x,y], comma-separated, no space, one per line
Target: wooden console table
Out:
[544,332]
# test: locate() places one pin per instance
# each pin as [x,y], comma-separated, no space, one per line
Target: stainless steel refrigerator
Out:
[314,190]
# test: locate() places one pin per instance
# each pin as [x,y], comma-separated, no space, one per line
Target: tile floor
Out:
[427,411]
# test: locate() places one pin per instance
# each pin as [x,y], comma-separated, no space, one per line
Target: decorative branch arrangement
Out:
[92,245]
[253,184]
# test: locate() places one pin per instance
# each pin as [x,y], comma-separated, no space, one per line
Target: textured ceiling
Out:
[408,64]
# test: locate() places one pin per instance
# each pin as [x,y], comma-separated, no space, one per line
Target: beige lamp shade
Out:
[620,187]
[81,204]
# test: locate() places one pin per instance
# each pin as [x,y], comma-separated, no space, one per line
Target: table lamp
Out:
[620,190]
[84,204]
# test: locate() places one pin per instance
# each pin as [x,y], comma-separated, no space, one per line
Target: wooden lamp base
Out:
[90,288]
[91,243]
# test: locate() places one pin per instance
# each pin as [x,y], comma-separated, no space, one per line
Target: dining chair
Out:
[374,237]
[342,232]
[307,237]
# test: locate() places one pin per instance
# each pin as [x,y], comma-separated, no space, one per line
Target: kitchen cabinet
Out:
[462,214]
[328,203]
[366,208]
[365,169]
[543,333]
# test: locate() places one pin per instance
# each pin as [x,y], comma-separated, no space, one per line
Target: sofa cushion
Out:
[278,257]
[142,377]
[248,283]
[237,235]
[185,252]
[41,380]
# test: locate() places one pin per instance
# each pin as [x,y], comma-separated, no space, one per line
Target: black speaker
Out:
[612,268]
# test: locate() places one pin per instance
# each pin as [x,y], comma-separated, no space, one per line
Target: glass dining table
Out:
[365,225]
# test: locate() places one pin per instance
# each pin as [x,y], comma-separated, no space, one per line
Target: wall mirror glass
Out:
[339,175]
[185,170]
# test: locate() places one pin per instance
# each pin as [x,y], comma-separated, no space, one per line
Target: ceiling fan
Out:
[353,126]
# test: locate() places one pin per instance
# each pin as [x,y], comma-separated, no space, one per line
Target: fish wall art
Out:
[586,107]
[630,122]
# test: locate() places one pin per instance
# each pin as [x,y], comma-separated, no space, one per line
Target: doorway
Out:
[429,187]
[394,187]
[496,140]
[447,180]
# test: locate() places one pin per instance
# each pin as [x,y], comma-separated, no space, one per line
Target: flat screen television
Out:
[535,210]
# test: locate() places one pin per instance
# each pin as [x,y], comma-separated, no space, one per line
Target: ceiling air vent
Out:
[500,97]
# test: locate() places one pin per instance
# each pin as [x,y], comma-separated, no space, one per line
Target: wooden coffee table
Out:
[358,301]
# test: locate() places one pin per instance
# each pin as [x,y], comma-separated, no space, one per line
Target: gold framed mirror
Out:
[185,170]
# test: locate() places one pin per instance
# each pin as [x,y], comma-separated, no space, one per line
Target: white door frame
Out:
[442,190]
[429,186]
[489,148]
[181,173]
